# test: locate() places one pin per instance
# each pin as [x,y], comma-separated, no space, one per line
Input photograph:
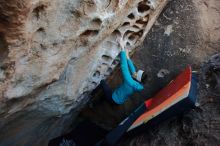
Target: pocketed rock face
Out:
[53,53]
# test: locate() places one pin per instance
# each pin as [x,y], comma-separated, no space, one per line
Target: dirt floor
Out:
[186,33]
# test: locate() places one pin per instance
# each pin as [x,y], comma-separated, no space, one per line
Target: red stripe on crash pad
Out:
[170,89]
[174,90]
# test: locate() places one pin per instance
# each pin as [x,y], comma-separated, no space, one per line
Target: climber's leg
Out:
[96,90]
[85,134]
[107,91]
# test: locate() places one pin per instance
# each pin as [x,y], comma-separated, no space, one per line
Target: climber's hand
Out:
[121,44]
[127,53]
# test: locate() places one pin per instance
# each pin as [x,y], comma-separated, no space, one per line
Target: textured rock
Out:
[211,74]
[194,40]
[53,53]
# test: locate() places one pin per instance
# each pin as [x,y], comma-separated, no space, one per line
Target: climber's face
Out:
[144,78]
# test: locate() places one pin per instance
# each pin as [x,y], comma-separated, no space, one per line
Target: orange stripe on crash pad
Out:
[173,87]
[153,112]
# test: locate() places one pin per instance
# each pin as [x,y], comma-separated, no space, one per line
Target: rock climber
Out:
[132,80]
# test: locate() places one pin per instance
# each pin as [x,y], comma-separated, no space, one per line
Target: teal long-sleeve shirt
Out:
[129,85]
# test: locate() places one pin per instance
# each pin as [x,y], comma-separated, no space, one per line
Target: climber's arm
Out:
[131,66]
[124,67]
[130,63]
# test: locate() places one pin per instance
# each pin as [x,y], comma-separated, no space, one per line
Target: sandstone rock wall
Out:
[53,53]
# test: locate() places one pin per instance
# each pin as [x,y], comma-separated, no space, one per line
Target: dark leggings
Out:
[107,91]
[85,134]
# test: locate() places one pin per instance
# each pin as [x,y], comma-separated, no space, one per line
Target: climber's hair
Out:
[144,78]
